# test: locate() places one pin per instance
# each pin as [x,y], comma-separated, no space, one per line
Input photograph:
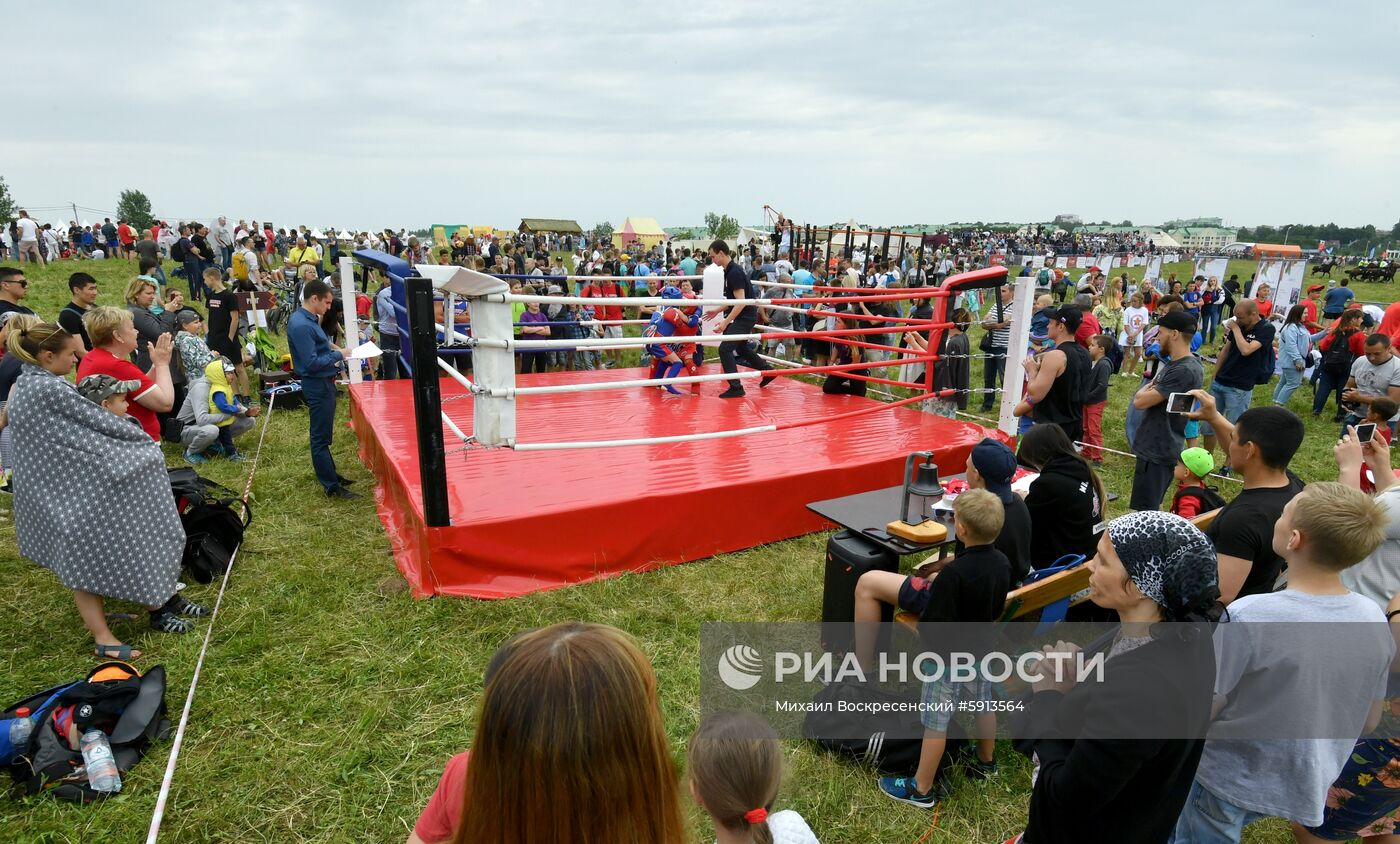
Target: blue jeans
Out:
[1289,380]
[1210,321]
[1134,417]
[1230,401]
[1327,383]
[392,346]
[320,400]
[1208,818]
[193,270]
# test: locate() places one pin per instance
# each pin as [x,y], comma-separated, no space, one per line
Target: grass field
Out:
[328,706]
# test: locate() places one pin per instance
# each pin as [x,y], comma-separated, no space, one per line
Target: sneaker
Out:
[766,380]
[344,481]
[976,769]
[904,790]
[195,458]
[168,622]
[215,448]
[183,607]
[236,457]
[732,393]
[341,492]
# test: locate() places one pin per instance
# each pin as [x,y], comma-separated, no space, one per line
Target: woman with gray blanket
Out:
[92,498]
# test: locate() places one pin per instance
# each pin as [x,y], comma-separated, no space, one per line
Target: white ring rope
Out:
[461,379]
[634,278]
[823,301]
[679,438]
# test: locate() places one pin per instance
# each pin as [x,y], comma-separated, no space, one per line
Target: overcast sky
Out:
[406,114]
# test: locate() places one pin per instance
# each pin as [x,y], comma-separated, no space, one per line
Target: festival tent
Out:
[634,230]
[1162,240]
[1277,250]
[538,225]
[442,233]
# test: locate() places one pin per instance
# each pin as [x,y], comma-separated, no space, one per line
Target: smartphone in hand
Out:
[1180,403]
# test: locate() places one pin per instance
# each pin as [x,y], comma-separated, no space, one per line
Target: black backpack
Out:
[115,698]
[177,250]
[859,735]
[213,528]
[1209,498]
[1338,358]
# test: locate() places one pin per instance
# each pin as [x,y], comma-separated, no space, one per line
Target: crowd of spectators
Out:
[103,521]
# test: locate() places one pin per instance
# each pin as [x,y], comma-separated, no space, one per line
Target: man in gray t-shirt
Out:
[1161,435]
[1375,375]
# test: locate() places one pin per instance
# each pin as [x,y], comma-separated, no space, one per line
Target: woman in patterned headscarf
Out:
[1116,757]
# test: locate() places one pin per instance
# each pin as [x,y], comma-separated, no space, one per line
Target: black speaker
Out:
[848,556]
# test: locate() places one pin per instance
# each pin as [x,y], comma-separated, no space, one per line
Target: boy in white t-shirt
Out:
[1291,700]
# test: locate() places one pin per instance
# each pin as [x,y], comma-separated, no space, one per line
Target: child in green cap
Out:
[1193,497]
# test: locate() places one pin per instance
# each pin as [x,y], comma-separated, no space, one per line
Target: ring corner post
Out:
[493,409]
[348,312]
[427,402]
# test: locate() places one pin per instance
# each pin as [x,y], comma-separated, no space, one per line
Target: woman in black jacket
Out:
[1066,502]
[1116,757]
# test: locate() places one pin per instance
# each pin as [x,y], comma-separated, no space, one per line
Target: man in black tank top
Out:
[1055,394]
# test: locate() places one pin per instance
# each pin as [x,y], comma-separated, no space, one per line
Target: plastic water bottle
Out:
[101,767]
[20,728]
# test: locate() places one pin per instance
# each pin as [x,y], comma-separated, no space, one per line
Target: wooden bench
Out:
[1033,597]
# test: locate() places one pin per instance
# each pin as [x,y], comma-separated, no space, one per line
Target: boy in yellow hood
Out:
[224,409]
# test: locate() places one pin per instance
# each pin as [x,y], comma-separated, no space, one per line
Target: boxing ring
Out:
[498,484]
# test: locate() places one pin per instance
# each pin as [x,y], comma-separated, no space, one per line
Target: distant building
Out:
[1204,238]
[1194,223]
[1067,220]
[536,225]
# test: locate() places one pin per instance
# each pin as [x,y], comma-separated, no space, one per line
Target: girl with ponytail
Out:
[736,766]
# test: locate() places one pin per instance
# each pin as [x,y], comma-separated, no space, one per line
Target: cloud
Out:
[411,113]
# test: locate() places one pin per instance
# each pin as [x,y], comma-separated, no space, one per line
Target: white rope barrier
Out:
[158,816]
[1134,456]
[679,438]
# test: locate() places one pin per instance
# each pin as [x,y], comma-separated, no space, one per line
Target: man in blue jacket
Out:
[316,361]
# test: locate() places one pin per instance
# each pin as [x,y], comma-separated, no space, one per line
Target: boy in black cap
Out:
[110,393]
[990,466]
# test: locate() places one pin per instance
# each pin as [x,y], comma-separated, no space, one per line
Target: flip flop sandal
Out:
[118,651]
[168,622]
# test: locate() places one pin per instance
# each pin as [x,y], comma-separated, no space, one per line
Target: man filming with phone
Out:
[1161,432]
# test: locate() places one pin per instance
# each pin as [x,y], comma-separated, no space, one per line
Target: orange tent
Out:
[1277,250]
